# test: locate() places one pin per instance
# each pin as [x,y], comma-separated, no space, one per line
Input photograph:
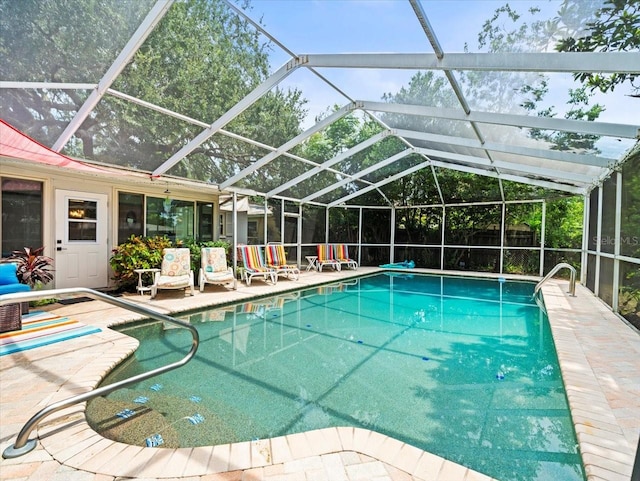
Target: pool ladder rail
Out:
[553,272]
[23,444]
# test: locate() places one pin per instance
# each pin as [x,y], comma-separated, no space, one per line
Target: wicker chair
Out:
[11,314]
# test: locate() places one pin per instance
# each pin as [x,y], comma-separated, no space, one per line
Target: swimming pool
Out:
[464,368]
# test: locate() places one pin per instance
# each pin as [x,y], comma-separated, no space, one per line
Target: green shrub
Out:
[136,253]
[195,249]
[146,253]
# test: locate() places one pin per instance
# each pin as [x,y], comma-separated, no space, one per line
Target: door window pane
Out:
[291,230]
[82,216]
[83,209]
[21,214]
[82,231]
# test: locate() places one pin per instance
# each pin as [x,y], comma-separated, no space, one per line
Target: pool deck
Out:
[599,358]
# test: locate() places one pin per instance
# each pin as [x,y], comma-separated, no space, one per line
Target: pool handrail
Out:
[552,272]
[23,444]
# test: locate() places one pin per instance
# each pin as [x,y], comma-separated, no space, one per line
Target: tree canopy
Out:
[614,27]
[198,62]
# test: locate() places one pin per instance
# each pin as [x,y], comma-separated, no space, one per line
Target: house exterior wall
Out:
[110,185]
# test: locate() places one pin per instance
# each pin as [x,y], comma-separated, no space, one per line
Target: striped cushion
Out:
[276,256]
[252,258]
[342,251]
[325,252]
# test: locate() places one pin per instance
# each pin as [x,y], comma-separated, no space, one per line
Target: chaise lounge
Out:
[213,268]
[277,259]
[175,272]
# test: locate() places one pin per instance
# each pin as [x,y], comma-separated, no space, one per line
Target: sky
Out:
[341,26]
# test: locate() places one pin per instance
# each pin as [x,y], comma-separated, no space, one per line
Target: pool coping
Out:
[604,406]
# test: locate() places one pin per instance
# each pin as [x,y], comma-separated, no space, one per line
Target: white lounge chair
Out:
[175,272]
[214,269]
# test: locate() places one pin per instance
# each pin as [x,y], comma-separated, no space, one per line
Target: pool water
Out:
[464,368]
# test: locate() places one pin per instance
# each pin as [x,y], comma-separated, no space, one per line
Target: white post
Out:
[542,234]
[618,241]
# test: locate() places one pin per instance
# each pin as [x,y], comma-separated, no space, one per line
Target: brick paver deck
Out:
[599,357]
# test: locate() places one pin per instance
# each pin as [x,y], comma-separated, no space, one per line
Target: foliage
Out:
[199,61]
[195,250]
[579,109]
[33,268]
[564,223]
[146,253]
[46,48]
[137,253]
[512,31]
[614,27]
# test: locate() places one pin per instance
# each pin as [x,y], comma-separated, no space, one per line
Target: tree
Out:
[58,42]
[200,60]
[512,31]
[614,27]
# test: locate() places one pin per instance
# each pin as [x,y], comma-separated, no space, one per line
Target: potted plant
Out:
[33,268]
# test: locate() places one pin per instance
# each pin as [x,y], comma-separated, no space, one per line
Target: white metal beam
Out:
[199,123]
[570,62]
[377,185]
[325,165]
[229,115]
[362,173]
[461,168]
[511,177]
[338,114]
[581,159]
[572,177]
[530,121]
[10,84]
[137,39]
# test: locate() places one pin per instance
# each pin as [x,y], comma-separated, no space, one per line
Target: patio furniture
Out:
[11,314]
[254,265]
[141,288]
[342,256]
[326,257]
[214,269]
[312,262]
[277,259]
[175,272]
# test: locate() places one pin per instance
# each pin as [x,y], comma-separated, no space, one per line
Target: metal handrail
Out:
[23,444]
[552,272]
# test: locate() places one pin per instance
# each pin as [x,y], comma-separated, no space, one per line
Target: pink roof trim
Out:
[17,145]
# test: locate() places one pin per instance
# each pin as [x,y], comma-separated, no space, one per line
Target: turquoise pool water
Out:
[462,367]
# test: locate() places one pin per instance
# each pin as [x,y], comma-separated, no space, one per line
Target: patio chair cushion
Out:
[213,260]
[171,281]
[176,262]
[9,280]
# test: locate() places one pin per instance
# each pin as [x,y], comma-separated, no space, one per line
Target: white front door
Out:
[82,254]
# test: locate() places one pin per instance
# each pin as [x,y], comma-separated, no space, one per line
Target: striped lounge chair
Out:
[342,256]
[277,259]
[254,265]
[326,257]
